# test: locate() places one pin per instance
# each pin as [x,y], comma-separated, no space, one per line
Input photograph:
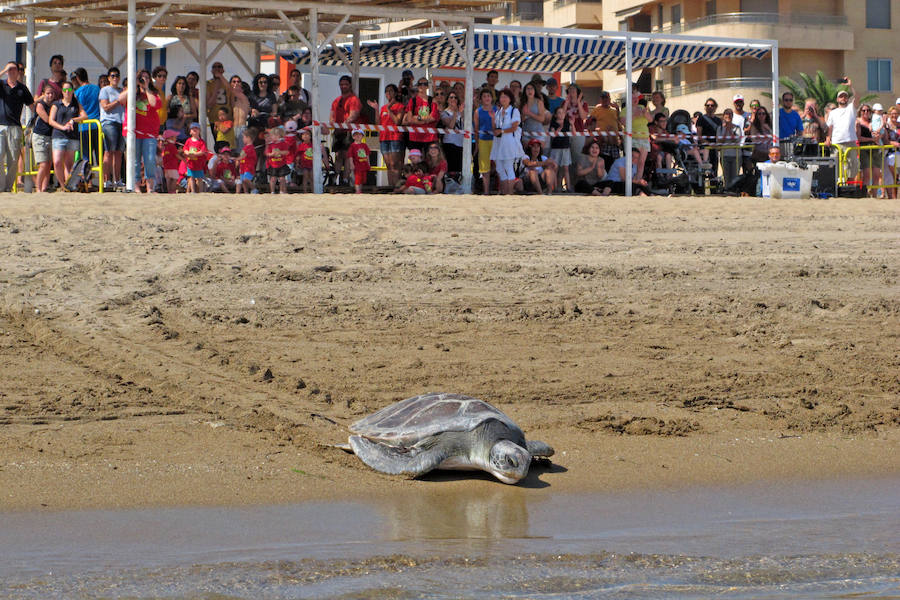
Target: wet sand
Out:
[209,350]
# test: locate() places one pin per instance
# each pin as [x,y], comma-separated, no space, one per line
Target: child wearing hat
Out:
[225,172]
[170,159]
[539,169]
[304,162]
[195,154]
[359,154]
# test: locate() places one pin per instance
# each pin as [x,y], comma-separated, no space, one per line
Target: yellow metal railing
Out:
[31,170]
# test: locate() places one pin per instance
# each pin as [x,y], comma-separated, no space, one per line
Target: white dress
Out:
[509,145]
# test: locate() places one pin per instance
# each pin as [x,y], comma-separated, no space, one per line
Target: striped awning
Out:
[532,52]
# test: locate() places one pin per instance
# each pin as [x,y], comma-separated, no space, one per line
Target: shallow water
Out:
[792,540]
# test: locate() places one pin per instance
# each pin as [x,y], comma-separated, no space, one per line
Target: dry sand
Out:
[169,350]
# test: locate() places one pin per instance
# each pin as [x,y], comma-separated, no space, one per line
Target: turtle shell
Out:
[409,421]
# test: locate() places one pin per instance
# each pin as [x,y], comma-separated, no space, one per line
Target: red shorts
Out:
[360,175]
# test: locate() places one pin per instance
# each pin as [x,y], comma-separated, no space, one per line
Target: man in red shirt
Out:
[346,108]
[422,111]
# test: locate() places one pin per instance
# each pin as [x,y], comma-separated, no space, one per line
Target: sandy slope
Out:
[209,349]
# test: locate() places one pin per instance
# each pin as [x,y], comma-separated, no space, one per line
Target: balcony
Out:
[584,14]
[814,31]
[754,83]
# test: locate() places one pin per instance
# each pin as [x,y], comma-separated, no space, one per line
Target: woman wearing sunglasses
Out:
[65,114]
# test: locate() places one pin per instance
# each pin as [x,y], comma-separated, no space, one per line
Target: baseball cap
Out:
[842,93]
[551,81]
[898,101]
[194,125]
[224,149]
[534,142]
[877,106]
[359,131]
[415,152]
[683,129]
[737,97]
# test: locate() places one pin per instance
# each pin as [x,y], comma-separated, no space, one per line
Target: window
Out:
[710,7]
[675,76]
[660,18]
[880,74]
[759,6]
[676,18]
[878,14]
[712,71]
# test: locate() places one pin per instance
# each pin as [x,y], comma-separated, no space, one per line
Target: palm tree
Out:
[819,88]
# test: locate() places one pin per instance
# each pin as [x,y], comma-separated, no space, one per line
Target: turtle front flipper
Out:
[397,461]
[539,449]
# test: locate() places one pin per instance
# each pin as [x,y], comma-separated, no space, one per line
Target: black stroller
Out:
[686,175]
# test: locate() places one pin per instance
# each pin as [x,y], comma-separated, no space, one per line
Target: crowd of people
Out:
[532,137]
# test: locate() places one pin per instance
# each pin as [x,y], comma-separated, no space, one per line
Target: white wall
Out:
[178,60]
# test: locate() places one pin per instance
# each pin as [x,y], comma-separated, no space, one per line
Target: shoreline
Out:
[208,351]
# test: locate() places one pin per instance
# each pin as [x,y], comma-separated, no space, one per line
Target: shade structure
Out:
[532,52]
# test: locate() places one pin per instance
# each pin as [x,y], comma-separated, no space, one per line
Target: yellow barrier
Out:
[98,168]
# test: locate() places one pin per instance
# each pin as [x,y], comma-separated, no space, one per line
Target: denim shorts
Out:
[389,146]
[198,174]
[113,140]
[66,145]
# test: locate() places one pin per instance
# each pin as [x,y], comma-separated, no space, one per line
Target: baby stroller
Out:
[686,174]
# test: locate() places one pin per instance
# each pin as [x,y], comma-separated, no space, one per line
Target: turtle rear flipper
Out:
[539,449]
[396,461]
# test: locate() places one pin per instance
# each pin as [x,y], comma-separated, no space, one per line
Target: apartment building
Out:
[840,37]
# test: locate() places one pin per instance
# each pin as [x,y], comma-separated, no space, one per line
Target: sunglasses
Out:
[754,106]
[162,75]
[710,106]
[67,89]
[113,75]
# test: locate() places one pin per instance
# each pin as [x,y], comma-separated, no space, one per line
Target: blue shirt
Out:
[789,123]
[613,174]
[89,98]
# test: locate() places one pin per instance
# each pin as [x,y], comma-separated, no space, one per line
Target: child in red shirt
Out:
[359,154]
[417,182]
[225,171]
[292,139]
[277,152]
[196,155]
[304,160]
[170,159]
[247,162]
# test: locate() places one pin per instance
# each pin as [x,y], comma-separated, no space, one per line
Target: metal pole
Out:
[776,104]
[130,138]
[629,110]
[318,186]
[201,87]
[29,56]
[469,106]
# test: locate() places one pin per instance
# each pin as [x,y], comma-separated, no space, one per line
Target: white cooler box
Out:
[786,180]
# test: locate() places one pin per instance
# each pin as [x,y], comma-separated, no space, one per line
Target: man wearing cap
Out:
[14,96]
[842,128]
[552,99]
[346,108]
[741,119]
[422,112]
[218,95]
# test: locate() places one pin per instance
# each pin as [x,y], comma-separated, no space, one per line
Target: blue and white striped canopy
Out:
[532,52]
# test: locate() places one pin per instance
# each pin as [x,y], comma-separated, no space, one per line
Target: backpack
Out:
[80,178]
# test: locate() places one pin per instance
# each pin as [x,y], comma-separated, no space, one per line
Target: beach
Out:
[211,350]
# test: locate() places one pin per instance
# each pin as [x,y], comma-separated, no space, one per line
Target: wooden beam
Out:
[219,46]
[153,20]
[241,59]
[294,29]
[103,60]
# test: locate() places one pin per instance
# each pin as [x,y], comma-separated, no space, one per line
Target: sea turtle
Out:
[444,431]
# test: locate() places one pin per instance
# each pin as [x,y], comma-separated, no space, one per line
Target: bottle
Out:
[706,188]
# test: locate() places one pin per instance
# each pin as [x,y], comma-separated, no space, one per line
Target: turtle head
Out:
[508,461]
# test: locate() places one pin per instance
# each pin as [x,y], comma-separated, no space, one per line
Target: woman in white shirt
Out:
[506,148]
